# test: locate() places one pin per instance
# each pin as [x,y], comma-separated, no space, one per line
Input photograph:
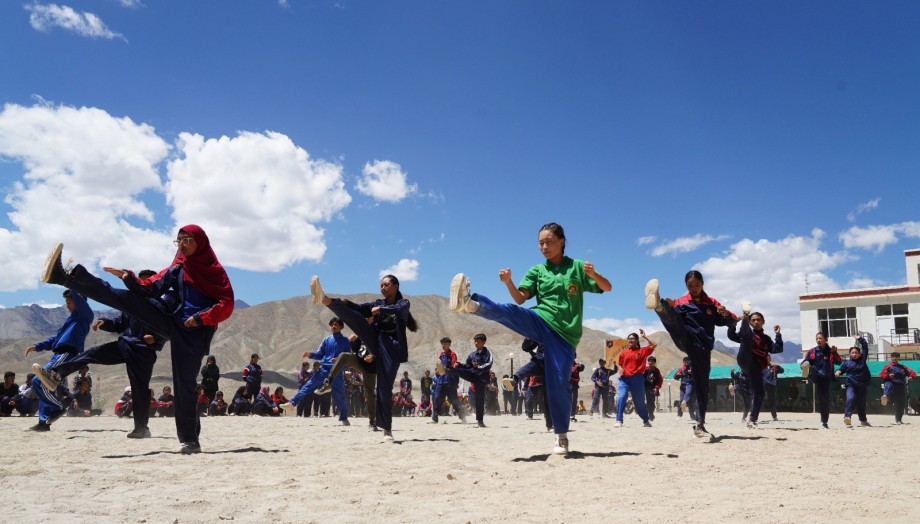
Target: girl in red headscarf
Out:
[183,302]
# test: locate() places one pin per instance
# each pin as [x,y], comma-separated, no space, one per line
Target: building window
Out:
[898,313]
[838,322]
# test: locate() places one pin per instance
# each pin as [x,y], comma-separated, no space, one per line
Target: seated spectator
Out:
[582,410]
[81,404]
[218,405]
[241,404]
[8,392]
[83,374]
[125,406]
[26,402]
[166,404]
[263,405]
[203,403]
[278,398]
[424,407]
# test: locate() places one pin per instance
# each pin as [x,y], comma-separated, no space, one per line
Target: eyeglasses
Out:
[183,241]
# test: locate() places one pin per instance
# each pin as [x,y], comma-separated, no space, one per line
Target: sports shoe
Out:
[646,424]
[325,388]
[806,368]
[55,416]
[751,424]
[388,436]
[372,427]
[346,422]
[287,406]
[618,424]
[50,379]
[433,421]
[561,446]
[884,398]
[865,424]
[41,426]
[847,421]
[316,290]
[652,298]
[824,425]
[746,308]
[699,431]
[54,272]
[480,424]
[683,405]
[140,433]
[459,293]
[189,448]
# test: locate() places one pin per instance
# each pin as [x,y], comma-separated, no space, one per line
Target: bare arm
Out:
[518,295]
[601,280]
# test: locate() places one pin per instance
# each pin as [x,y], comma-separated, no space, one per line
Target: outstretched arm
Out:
[601,280]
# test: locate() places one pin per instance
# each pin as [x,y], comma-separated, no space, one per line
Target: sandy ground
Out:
[286,469]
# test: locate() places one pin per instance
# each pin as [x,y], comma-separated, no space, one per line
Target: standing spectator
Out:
[492,407]
[770,379]
[577,368]
[405,384]
[252,375]
[687,400]
[632,376]
[303,376]
[446,383]
[653,382]
[210,375]
[601,380]
[508,400]
[425,383]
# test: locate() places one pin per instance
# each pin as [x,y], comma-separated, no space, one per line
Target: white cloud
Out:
[862,208]
[46,17]
[384,180]
[641,241]
[685,244]
[877,238]
[858,282]
[85,173]
[771,275]
[406,270]
[622,327]
[257,195]
[88,174]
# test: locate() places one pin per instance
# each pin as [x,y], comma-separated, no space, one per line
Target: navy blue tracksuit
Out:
[822,361]
[476,370]
[857,386]
[131,350]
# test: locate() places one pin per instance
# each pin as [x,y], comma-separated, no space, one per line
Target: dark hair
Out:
[212,357]
[632,335]
[445,340]
[254,355]
[557,230]
[857,348]
[759,314]
[221,393]
[895,354]
[652,359]
[693,274]
[411,324]
[146,273]
[337,320]
[823,334]
[479,336]
[9,374]
[67,293]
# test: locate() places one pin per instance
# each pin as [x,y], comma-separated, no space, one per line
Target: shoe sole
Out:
[457,287]
[884,400]
[53,258]
[652,298]
[316,290]
[746,308]
[847,422]
[806,368]
[37,369]
[288,408]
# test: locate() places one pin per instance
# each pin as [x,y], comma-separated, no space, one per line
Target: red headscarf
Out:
[202,269]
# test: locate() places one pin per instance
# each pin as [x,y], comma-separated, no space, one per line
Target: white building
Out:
[889,315]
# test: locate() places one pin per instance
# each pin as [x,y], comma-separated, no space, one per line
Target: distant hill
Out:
[792,352]
[281,331]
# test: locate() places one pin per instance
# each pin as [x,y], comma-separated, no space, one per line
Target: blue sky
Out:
[765,144]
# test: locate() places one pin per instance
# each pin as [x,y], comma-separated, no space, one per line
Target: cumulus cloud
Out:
[258,196]
[862,208]
[406,270]
[877,238]
[641,241]
[85,173]
[46,17]
[684,244]
[89,177]
[385,180]
[771,275]
[622,327]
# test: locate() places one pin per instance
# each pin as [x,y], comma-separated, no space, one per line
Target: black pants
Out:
[700,357]
[899,395]
[823,396]
[139,363]
[770,391]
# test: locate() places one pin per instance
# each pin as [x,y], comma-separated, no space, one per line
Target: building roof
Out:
[852,293]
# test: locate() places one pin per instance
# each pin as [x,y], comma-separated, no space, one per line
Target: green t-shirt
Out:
[559,291]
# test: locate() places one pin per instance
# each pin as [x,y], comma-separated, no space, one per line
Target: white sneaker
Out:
[806,368]
[618,424]
[884,397]
[652,298]
[53,268]
[288,407]
[746,308]
[49,379]
[388,436]
[459,293]
[562,444]
[316,290]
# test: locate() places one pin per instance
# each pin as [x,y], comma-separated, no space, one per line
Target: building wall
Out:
[866,319]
